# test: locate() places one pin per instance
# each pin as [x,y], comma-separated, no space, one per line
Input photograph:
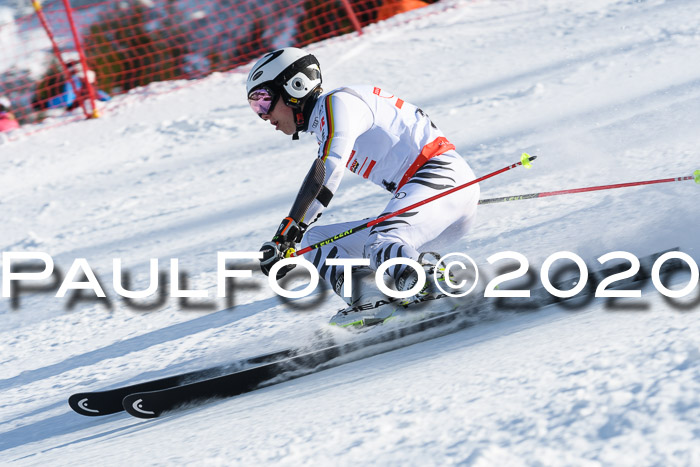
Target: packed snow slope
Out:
[603,91]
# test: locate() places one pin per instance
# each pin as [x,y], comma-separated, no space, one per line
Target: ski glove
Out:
[288,234]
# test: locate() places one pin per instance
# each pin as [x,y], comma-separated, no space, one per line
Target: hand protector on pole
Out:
[271,254]
[281,246]
[289,233]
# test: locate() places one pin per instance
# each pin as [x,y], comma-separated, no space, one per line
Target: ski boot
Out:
[367,306]
[430,290]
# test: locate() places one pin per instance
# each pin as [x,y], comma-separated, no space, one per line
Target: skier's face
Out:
[282,118]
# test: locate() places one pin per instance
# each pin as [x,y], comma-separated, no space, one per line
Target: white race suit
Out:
[392,143]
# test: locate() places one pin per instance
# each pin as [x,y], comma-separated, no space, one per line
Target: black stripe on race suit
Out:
[432,175]
[387,252]
[375,232]
[395,271]
[390,222]
[405,214]
[433,164]
[331,254]
[434,186]
[378,257]
[434,170]
[399,268]
[317,258]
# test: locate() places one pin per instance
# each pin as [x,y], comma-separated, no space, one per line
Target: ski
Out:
[93,404]
[153,403]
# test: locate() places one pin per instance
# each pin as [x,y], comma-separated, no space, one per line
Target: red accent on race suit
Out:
[439,145]
[352,154]
[378,92]
[369,169]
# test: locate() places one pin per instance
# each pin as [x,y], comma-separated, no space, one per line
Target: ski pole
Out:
[544,194]
[525,161]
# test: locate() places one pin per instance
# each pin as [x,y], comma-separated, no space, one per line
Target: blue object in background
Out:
[68,97]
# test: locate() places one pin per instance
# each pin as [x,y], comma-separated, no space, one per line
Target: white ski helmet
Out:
[291,73]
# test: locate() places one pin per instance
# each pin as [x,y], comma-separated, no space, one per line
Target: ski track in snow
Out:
[604,91]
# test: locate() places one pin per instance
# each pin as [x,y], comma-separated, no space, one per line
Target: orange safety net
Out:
[131,43]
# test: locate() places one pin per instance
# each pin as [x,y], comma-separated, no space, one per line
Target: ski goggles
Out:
[262,101]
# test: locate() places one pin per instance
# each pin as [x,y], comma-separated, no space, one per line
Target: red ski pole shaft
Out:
[525,160]
[544,194]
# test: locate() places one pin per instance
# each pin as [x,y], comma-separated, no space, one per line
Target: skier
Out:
[70,94]
[381,138]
